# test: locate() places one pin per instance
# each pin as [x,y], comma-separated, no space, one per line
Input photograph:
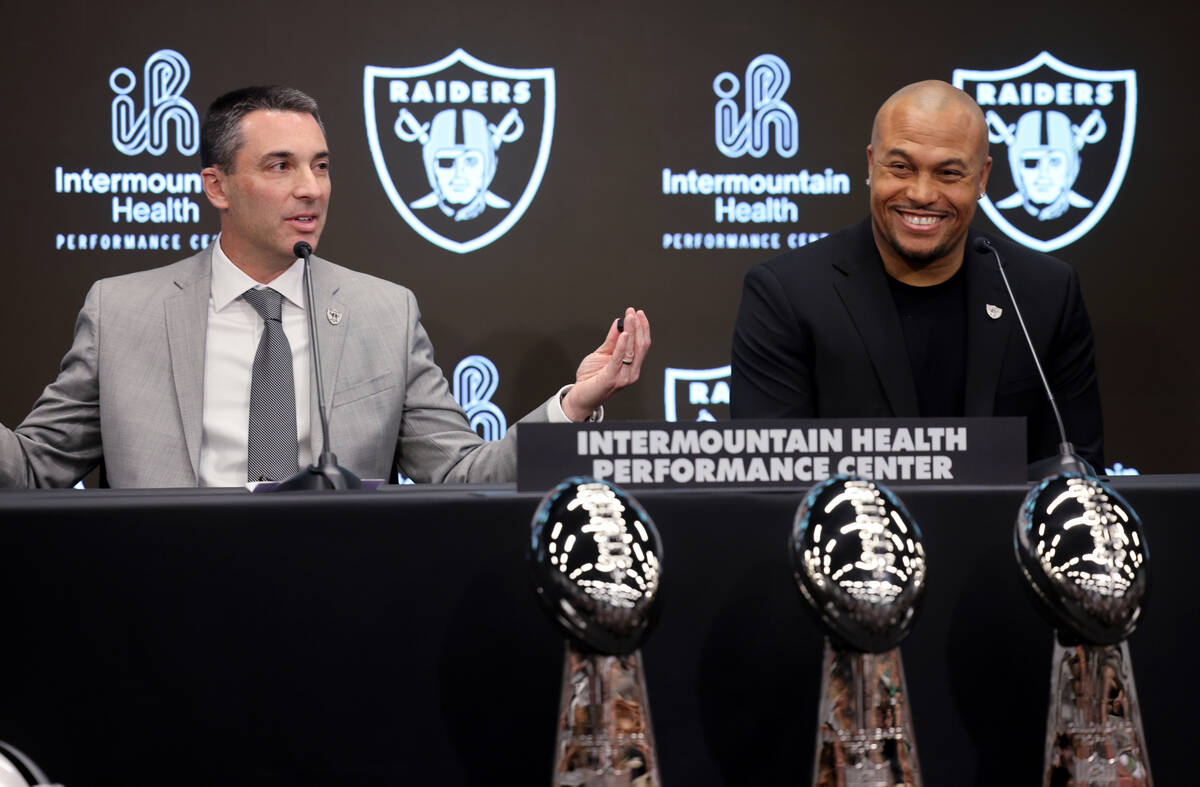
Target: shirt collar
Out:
[229,281]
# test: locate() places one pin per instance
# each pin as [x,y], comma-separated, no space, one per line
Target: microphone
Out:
[1067,461]
[326,473]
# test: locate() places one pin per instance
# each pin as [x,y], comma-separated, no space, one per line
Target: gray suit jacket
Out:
[130,391]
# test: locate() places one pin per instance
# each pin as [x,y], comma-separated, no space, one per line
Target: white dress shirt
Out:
[234,330]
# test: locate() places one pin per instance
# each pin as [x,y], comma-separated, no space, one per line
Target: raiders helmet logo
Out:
[1061,137]
[696,394]
[460,145]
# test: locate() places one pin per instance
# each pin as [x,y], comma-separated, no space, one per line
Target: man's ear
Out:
[983,175]
[214,187]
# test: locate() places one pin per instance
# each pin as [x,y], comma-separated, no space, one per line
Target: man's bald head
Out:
[928,163]
[934,98]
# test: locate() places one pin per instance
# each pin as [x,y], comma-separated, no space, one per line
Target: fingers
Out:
[641,339]
[625,350]
[633,353]
[610,339]
[629,350]
[614,365]
[622,357]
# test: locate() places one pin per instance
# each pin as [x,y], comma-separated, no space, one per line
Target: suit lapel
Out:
[987,336]
[332,319]
[187,325]
[864,292]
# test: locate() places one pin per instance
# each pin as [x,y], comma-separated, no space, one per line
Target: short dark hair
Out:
[221,133]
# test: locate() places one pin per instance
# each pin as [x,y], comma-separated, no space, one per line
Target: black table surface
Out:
[203,637]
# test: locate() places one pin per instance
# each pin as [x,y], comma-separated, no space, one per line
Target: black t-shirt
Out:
[934,320]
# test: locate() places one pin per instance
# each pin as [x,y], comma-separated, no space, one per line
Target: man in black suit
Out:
[900,316]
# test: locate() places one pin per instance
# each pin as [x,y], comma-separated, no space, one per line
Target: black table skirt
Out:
[214,637]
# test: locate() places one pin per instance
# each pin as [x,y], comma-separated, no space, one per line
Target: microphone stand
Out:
[326,473]
[1067,460]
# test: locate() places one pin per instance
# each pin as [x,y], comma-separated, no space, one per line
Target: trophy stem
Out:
[1094,733]
[605,737]
[865,734]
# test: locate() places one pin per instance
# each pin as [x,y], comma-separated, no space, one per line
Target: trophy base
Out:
[864,733]
[1094,735]
[604,734]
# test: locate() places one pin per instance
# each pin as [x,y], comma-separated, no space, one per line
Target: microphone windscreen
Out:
[302,249]
[983,244]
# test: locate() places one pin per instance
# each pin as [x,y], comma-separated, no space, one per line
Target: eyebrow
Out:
[950,162]
[287,154]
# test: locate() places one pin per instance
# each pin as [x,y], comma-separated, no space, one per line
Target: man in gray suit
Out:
[157,384]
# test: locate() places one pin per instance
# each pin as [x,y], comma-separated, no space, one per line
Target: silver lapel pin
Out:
[992,311]
[335,316]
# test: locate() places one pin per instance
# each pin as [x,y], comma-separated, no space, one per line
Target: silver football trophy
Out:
[860,564]
[596,561]
[18,770]
[1083,553]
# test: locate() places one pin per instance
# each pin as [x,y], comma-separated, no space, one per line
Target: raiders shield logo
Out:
[460,145]
[1061,139]
[696,394]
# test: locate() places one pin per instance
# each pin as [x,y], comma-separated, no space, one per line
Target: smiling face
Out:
[276,192]
[928,164]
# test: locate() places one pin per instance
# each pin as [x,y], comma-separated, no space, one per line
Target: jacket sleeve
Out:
[436,443]
[59,443]
[1072,375]
[771,359]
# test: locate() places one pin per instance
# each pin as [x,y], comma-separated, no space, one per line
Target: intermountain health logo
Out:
[148,202]
[757,129]
[460,145]
[1061,140]
[740,131]
[165,76]
[475,382]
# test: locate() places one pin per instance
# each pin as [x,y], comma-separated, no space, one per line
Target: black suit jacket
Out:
[818,336]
